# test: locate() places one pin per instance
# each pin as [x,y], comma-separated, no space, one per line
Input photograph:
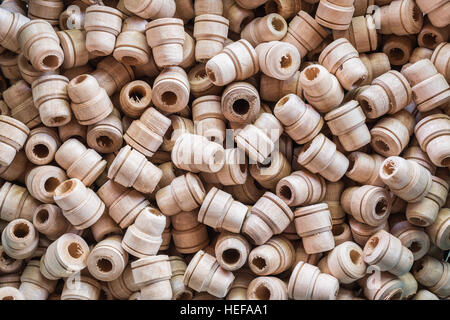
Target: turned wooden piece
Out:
[406,179]
[238,290]
[105,136]
[233,172]
[425,212]
[341,233]
[151,9]
[250,4]
[398,49]
[20,239]
[64,257]
[430,89]
[399,17]
[80,162]
[188,234]
[362,232]
[9,265]
[376,64]
[273,257]
[238,16]
[412,237]
[335,14]
[286,8]
[387,253]
[41,145]
[112,75]
[439,230]
[207,7]
[364,168]
[105,227]
[179,290]
[382,286]
[420,53]
[11,293]
[271,27]
[409,285]
[171,90]
[301,188]
[131,45]
[135,98]
[332,199]
[389,93]
[267,288]
[27,71]
[40,45]
[231,251]
[80,205]
[273,90]
[362,34]
[17,169]
[440,59]
[208,118]
[107,259]
[13,134]
[438,11]
[320,88]
[34,286]
[83,288]
[237,61]
[269,173]
[321,156]
[72,130]
[46,10]
[210,32]
[41,182]
[73,43]
[200,84]
[432,132]
[143,238]
[416,154]
[308,283]
[279,60]
[434,275]
[130,168]
[204,274]
[430,36]
[240,103]
[390,135]
[367,204]
[180,125]
[49,220]
[425,295]
[11,23]
[16,202]
[123,286]
[9,65]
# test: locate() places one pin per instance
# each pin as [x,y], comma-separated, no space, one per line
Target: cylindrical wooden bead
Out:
[332,198]
[308,283]
[376,64]
[9,265]
[188,52]
[238,290]
[73,17]
[112,75]
[171,90]
[425,212]
[83,288]
[240,103]
[437,11]
[49,220]
[321,156]
[234,171]
[130,168]
[107,259]
[439,230]
[267,288]
[278,59]
[200,84]
[131,46]
[273,90]
[269,174]
[413,238]
[321,88]
[40,45]
[11,293]
[335,14]
[188,234]
[362,232]
[16,202]
[362,34]
[431,36]
[80,162]
[301,188]
[46,10]
[135,98]
[179,290]
[341,233]
[416,154]
[409,285]
[151,9]
[273,257]
[399,17]
[420,53]
[387,253]
[20,239]
[210,32]
[80,205]
[382,286]
[367,204]
[248,192]
[231,251]
[105,136]
[123,286]
[434,275]
[72,130]
[13,134]
[406,178]
[73,43]
[440,58]
[271,27]
[208,118]
[398,49]
[34,286]
[41,145]
[41,182]
[238,16]
[364,168]
[425,295]
[14,6]
[9,65]
[105,227]
[11,23]
[27,71]
[180,125]
[204,274]
[237,61]
[390,135]
[286,8]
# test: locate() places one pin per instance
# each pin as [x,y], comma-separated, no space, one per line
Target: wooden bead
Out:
[19,99]
[440,59]
[271,27]
[123,286]
[398,49]
[70,18]
[286,8]
[9,265]
[151,9]
[80,205]
[20,239]
[143,238]
[406,179]
[238,290]
[188,234]
[231,251]
[112,75]
[259,227]
[382,286]
[27,71]
[425,212]
[188,52]
[72,130]
[362,34]
[12,22]
[344,262]
[237,61]
[49,220]
[208,119]
[439,229]
[107,259]
[219,210]
[168,49]
[341,233]
[17,169]
[130,168]
[14,6]
[430,89]
[400,18]
[332,199]
[240,103]
[179,290]
[362,232]
[273,257]
[367,204]
[390,135]
[73,43]
[248,192]
[413,238]
[420,53]
[207,7]
[364,168]
[171,90]
[13,134]
[425,295]
[76,71]
[238,16]
[320,156]
[210,32]
[409,285]
[267,288]
[34,286]
[185,193]
[320,88]
[40,45]
[388,254]
[41,182]
[278,59]
[11,293]
[80,162]
[273,90]
[9,65]
[335,14]
[105,136]
[433,274]
[41,145]
[16,202]
[250,4]
[180,125]
[46,10]
[131,46]
[301,188]
[376,64]
[200,84]
[416,154]
[436,10]
[204,274]
[135,98]
[308,283]
[269,174]
[90,103]
[86,289]
[104,227]
[431,36]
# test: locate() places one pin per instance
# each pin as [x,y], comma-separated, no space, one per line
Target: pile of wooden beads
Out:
[224,149]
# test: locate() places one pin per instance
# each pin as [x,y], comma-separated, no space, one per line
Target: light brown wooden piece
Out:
[16,202]
[335,14]
[131,45]
[398,49]
[151,9]
[412,237]
[171,90]
[87,289]
[135,98]
[210,32]
[9,65]
[27,71]
[12,22]
[41,182]
[269,173]
[382,286]
[208,118]
[399,17]
[273,257]
[188,234]
[179,290]
[440,229]
[105,136]
[376,64]
[41,145]
[13,134]
[273,90]
[278,59]
[123,286]
[49,220]
[286,8]
[362,33]
[271,27]
[112,75]
[416,154]
[105,227]
[267,288]
[362,232]
[238,16]
[440,58]
[364,168]
[240,103]
[34,286]
[200,84]
[72,130]
[20,239]
[231,251]
[434,275]
[430,36]
[332,198]
[19,99]
[301,188]
[73,43]
[238,290]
